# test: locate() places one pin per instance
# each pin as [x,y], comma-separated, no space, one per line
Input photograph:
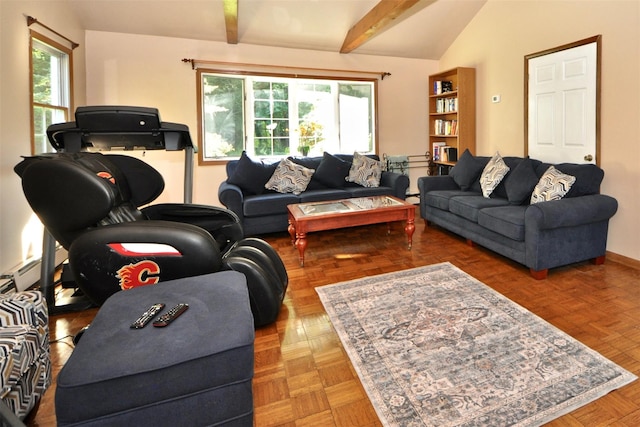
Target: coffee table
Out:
[329,215]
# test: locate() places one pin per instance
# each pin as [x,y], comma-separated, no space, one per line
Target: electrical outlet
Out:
[495,99]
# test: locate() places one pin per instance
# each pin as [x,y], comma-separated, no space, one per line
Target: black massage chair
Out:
[90,203]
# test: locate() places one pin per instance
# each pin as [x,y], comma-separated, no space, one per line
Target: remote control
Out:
[170,316]
[146,317]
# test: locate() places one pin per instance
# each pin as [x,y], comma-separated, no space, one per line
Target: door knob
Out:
[588,158]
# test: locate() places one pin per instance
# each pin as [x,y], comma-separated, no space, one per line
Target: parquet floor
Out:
[303,376]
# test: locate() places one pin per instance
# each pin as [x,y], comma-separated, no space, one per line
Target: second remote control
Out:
[147,316]
[170,316]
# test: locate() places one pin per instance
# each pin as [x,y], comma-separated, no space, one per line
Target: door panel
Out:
[562,105]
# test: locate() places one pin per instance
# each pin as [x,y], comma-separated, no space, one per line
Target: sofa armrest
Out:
[436,182]
[232,198]
[571,212]
[397,181]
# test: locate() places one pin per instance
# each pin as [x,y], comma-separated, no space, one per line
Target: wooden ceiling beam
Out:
[231,20]
[374,22]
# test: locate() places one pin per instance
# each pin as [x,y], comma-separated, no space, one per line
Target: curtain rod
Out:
[31,20]
[193,62]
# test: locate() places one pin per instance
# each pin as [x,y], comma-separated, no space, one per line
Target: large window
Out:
[51,65]
[280,116]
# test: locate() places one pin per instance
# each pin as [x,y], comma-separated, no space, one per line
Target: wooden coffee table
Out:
[329,215]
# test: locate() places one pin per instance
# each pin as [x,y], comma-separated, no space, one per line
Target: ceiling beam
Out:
[231,20]
[375,21]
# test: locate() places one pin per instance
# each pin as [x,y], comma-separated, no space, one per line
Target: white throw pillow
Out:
[365,171]
[492,174]
[553,185]
[289,177]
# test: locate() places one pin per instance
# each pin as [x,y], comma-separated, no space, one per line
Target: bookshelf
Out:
[452,114]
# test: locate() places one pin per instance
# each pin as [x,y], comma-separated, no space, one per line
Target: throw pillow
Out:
[289,177]
[521,182]
[250,175]
[553,185]
[466,170]
[492,174]
[365,171]
[332,171]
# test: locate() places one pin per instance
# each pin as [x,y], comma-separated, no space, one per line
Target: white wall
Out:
[20,232]
[496,41]
[126,69]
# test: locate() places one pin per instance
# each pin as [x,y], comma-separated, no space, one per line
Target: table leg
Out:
[292,232]
[409,228]
[301,244]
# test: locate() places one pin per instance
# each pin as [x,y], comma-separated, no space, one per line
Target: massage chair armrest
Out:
[232,198]
[122,256]
[223,224]
[570,212]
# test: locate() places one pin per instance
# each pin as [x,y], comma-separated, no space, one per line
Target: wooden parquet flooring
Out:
[303,376]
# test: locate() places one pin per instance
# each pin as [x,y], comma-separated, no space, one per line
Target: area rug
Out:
[435,347]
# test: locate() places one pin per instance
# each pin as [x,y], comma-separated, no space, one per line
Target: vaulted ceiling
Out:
[403,28]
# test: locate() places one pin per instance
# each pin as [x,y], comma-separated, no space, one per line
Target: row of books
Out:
[441,152]
[446,105]
[442,86]
[445,127]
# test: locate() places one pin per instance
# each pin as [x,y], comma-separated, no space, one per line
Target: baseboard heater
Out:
[27,274]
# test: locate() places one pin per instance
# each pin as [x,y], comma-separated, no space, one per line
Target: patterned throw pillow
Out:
[553,185]
[289,177]
[365,171]
[493,174]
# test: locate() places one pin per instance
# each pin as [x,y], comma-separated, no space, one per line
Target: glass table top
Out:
[347,205]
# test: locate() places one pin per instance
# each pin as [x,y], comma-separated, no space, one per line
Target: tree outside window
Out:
[269,116]
[51,88]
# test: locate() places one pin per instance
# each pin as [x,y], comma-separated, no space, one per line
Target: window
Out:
[271,116]
[51,88]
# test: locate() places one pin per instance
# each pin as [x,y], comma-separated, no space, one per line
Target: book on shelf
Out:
[442,86]
[446,105]
[445,127]
[435,150]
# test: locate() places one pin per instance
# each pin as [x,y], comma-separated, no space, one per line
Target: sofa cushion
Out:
[251,175]
[332,171]
[289,177]
[520,182]
[553,185]
[469,206]
[369,191]
[505,220]
[268,204]
[324,195]
[466,170]
[588,177]
[440,198]
[492,174]
[365,171]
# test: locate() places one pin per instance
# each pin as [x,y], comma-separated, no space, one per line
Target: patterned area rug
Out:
[435,347]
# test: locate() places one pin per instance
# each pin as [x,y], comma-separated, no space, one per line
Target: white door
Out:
[562,105]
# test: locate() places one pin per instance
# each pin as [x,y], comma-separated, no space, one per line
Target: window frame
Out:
[202,161]
[41,38]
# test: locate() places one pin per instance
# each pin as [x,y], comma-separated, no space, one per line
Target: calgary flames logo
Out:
[139,274]
[107,176]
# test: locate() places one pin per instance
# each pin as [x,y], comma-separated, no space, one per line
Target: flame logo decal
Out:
[139,274]
[107,176]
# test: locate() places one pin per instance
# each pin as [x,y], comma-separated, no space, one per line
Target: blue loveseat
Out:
[542,235]
[264,211]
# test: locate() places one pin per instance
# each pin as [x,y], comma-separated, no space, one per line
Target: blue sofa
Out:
[542,235]
[264,211]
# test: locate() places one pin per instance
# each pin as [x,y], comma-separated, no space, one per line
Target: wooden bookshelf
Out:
[452,112]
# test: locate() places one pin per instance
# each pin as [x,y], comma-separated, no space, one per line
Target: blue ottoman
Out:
[195,372]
